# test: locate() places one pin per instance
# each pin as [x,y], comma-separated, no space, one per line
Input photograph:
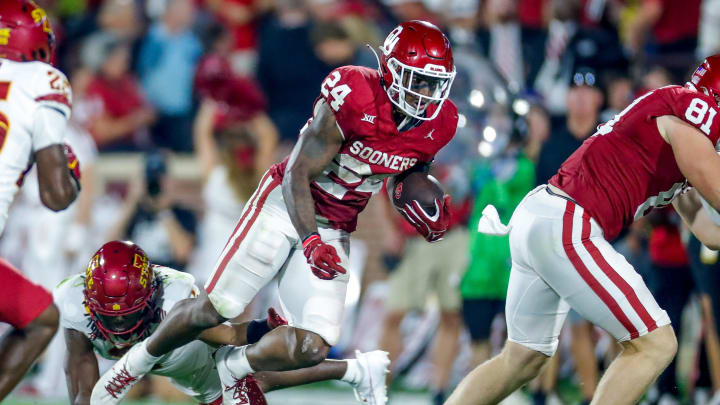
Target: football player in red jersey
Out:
[659,150]
[34,108]
[367,125]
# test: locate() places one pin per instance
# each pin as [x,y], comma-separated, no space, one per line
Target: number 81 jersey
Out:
[25,87]
[626,169]
[373,147]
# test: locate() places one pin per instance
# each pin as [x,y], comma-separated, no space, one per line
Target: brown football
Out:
[417,186]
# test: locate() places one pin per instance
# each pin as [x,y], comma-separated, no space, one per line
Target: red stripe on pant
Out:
[248,206]
[620,282]
[580,267]
[258,207]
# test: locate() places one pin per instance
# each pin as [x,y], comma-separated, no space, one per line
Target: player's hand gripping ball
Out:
[422,202]
[322,258]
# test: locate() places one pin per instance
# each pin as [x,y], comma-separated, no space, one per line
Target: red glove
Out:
[322,258]
[432,228]
[274,319]
[73,164]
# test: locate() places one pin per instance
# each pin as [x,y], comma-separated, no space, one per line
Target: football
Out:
[417,186]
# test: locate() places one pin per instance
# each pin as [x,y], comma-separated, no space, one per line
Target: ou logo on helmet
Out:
[392,40]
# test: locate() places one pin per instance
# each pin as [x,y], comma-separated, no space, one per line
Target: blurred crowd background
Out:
[181,105]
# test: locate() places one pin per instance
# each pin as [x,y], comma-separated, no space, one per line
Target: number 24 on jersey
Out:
[328,89]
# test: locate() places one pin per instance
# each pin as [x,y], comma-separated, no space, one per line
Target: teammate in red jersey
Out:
[367,125]
[659,150]
[34,108]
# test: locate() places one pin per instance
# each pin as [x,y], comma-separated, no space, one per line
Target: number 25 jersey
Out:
[25,87]
[373,149]
[626,169]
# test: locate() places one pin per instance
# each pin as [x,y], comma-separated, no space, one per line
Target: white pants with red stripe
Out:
[561,260]
[265,244]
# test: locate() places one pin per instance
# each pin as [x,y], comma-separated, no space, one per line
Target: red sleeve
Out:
[698,110]
[350,98]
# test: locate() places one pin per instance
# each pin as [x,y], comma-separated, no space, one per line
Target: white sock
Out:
[139,360]
[237,362]
[354,372]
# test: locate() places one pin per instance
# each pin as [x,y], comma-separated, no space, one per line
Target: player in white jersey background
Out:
[49,246]
[35,100]
[120,300]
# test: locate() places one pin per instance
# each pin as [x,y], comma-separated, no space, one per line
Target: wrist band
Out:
[308,239]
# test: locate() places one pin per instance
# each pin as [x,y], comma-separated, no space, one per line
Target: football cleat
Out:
[112,386]
[372,387]
[246,391]
[243,390]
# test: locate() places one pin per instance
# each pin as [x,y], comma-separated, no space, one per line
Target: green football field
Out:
[289,397]
[303,396]
[320,395]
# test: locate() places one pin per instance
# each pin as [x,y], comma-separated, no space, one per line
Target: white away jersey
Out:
[25,87]
[191,367]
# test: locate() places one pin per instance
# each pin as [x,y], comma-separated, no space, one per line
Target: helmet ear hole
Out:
[40,54]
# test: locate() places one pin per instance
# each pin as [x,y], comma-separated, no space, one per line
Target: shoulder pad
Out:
[446,122]
[69,298]
[450,113]
[696,108]
[350,91]
[177,286]
[50,87]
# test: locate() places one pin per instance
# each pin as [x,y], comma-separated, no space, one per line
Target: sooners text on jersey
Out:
[626,168]
[373,148]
